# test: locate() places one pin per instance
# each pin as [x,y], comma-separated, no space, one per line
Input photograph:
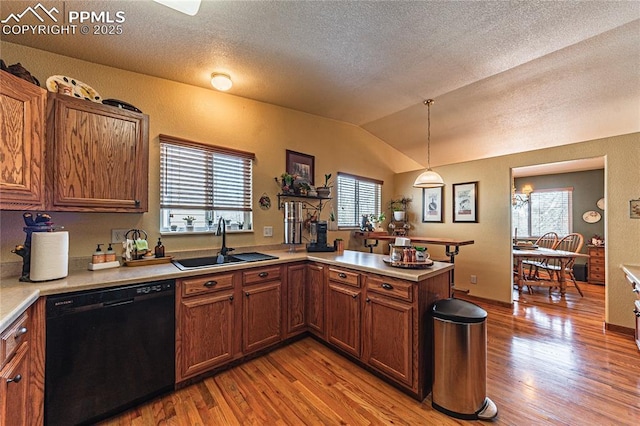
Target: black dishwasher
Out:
[108,350]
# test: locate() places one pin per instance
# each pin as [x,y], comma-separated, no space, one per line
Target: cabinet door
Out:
[261,316]
[295,309]
[205,333]
[315,299]
[97,158]
[22,111]
[388,331]
[14,378]
[344,315]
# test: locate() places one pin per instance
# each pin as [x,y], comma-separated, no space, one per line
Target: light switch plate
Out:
[267,231]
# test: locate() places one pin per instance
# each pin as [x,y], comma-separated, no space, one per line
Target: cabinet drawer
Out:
[596,276]
[390,287]
[261,275]
[206,284]
[344,277]
[594,269]
[596,261]
[12,337]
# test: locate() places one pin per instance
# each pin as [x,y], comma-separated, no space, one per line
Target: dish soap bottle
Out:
[159,251]
[110,255]
[98,255]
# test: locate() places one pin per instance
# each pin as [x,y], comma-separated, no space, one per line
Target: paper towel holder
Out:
[41,222]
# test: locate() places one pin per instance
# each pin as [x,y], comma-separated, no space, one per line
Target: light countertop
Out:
[633,271]
[16,296]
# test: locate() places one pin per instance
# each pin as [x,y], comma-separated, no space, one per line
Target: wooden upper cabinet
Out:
[22,113]
[97,157]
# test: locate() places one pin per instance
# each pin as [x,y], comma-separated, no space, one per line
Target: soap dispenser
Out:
[110,255]
[98,255]
[159,250]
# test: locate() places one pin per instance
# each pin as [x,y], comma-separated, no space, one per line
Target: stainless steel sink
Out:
[212,261]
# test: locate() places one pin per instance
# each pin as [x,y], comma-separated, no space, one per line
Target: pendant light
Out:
[428,178]
[221,81]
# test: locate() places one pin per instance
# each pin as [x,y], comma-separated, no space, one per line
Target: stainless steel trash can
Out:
[460,361]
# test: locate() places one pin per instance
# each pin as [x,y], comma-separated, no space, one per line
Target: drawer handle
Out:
[355,296]
[342,275]
[230,298]
[210,283]
[263,274]
[637,312]
[20,332]
[15,379]
[387,286]
[636,290]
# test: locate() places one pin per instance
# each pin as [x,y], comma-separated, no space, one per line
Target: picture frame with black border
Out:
[465,202]
[302,165]
[433,205]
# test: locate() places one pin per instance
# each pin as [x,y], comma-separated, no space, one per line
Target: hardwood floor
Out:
[546,365]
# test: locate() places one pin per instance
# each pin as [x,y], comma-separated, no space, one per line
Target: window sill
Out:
[183,232]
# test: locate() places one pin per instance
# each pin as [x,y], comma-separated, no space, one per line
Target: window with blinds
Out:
[549,210]
[204,183]
[357,196]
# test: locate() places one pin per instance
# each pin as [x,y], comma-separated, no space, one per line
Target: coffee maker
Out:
[318,231]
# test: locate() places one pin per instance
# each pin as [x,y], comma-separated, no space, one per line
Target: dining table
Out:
[520,254]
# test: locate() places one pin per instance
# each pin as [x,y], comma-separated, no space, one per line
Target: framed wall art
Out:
[634,209]
[465,202]
[432,204]
[302,165]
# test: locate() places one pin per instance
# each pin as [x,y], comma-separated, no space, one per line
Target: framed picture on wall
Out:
[302,165]
[634,209]
[465,202]
[432,207]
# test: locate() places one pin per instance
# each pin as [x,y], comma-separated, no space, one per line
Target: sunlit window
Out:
[548,210]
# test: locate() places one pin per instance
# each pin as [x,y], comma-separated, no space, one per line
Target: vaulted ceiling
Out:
[507,76]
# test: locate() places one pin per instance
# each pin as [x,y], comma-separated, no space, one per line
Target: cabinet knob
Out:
[210,283]
[637,312]
[15,379]
[355,296]
[368,300]
[230,298]
[342,275]
[263,274]
[387,286]
[247,294]
[20,332]
[137,202]
[636,290]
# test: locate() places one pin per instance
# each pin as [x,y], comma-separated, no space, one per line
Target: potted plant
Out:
[378,220]
[399,208]
[189,221]
[286,183]
[325,191]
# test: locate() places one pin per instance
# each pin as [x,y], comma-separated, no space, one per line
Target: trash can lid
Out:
[459,311]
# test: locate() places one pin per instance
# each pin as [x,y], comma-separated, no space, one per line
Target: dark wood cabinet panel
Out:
[294,311]
[205,333]
[261,315]
[315,298]
[344,313]
[388,337]
[22,130]
[97,157]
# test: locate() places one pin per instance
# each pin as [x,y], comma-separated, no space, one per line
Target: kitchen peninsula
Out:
[374,314]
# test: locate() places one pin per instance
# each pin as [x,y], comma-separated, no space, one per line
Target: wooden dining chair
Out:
[573,243]
[548,240]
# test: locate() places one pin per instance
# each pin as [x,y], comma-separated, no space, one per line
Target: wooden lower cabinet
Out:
[14,389]
[206,321]
[315,293]
[389,330]
[596,264]
[344,310]
[261,309]
[295,312]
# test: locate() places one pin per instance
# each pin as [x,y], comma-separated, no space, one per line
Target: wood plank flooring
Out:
[550,362]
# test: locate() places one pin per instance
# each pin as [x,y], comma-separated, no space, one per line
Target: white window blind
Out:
[203,181]
[549,210]
[357,196]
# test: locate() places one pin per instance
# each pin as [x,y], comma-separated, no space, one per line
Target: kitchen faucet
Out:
[222,230]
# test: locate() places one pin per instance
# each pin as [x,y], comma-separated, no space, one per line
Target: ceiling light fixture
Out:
[221,81]
[428,178]
[520,200]
[188,7]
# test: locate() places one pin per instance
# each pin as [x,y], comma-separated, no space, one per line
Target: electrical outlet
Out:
[267,231]
[474,279]
[118,235]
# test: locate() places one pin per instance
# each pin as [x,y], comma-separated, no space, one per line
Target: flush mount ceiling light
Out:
[189,7]
[428,178]
[221,81]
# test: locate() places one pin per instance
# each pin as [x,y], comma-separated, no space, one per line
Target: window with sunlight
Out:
[357,196]
[547,210]
[205,183]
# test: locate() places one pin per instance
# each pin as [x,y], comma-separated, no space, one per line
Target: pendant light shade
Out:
[221,82]
[428,178]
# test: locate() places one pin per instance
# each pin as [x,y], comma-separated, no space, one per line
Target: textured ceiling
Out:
[506,76]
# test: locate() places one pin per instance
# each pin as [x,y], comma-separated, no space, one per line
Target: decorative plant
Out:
[189,218]
[399,204]
[327,181]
